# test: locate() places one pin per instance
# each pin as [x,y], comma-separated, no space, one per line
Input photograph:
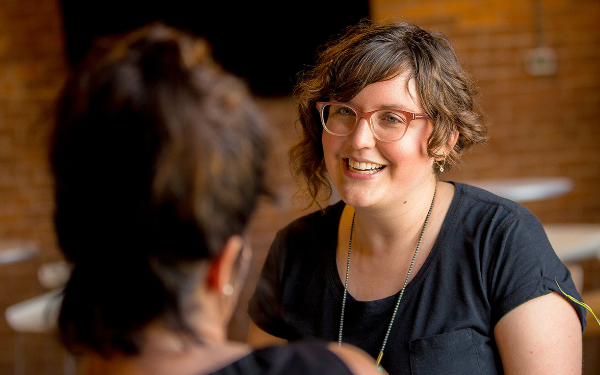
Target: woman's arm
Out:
[258,338]
[541,336]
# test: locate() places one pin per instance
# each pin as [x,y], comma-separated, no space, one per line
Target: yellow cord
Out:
[377,364]
[588,308]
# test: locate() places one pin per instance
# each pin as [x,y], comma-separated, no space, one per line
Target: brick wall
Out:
[31,71]
[539,126]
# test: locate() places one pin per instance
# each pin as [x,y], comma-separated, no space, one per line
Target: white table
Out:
[573,242]
[527,188]
[16,251]
[38,314]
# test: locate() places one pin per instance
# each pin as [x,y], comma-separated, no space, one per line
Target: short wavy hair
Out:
[366,53]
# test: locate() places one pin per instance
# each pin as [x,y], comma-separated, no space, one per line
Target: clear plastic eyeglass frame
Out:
[367,116]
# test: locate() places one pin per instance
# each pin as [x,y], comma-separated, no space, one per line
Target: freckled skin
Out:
[406,163]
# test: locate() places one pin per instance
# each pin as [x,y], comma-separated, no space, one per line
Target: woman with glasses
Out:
[159,158]
[427,276]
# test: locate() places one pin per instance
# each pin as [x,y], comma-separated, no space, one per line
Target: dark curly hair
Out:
[366,53]
[158,158]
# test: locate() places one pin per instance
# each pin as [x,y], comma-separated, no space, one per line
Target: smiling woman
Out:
[427,276]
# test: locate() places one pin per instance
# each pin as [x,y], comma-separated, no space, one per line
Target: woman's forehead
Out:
[399,91]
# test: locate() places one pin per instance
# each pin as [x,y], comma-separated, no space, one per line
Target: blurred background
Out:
[536,62]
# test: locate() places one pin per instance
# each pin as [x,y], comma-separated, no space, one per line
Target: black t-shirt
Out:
[491,255]
[293,359]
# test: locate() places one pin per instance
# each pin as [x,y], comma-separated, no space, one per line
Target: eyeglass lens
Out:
[341,120]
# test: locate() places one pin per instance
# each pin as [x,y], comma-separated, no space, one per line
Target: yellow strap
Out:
[588,308]
[377,364]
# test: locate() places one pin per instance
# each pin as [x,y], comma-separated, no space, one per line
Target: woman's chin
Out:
[357,200]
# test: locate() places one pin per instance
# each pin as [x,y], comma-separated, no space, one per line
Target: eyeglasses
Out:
[387,125]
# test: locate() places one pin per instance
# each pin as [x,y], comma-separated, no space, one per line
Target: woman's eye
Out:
[392,118]
[344,111]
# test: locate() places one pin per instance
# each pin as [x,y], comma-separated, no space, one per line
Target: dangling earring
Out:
[441,163]
[227,289]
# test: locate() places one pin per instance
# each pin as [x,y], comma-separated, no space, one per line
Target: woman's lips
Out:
[362,167]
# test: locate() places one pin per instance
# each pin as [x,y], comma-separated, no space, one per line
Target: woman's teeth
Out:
[366,168]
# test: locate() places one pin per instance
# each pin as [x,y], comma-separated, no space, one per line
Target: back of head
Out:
[158,158]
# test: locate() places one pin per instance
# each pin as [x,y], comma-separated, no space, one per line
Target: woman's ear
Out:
[447,148]
[452,140]
[221,269]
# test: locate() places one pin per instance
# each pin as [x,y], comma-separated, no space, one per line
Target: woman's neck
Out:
[387,242]
[382,229]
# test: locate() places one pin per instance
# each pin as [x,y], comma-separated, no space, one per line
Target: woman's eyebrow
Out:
[383,106]
[396,106]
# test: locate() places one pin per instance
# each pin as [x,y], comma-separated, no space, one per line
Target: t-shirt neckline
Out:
[335,280]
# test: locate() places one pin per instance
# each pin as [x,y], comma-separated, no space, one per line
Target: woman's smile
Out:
[363,168]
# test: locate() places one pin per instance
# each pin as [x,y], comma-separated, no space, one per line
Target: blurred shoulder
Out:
[313,357]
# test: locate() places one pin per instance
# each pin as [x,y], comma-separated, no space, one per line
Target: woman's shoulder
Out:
[474,199]
[291,359]
[505,227]
[317,220]
[307,237]
[477,212]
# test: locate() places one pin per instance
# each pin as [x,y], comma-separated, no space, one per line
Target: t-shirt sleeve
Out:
[524,266]
[265,305]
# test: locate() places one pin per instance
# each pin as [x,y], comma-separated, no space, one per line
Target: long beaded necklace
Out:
[412,262]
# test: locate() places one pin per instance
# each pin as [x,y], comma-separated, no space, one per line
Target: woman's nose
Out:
[362,136]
